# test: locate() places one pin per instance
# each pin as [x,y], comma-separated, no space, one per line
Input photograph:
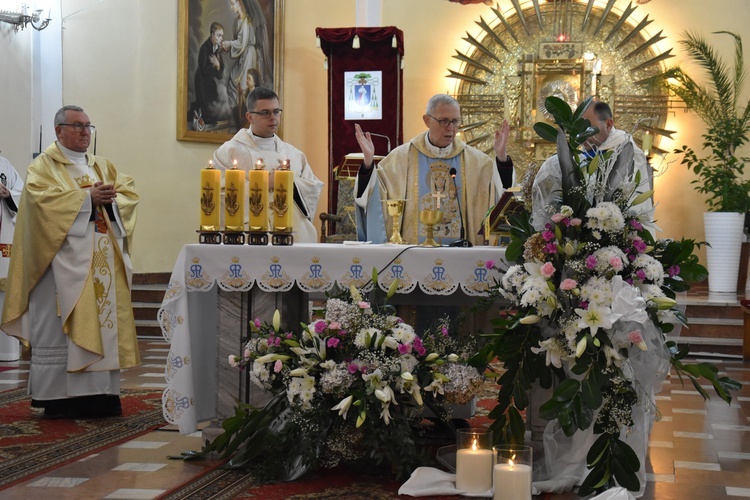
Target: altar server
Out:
[258,141]
[10,195]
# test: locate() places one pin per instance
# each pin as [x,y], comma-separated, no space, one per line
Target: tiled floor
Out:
[699,450]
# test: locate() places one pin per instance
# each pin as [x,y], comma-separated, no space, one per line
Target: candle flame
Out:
[474,444]
[210,164]
[234,164]
[511,463]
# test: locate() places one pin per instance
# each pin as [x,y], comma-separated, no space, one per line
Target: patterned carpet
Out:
[31,444]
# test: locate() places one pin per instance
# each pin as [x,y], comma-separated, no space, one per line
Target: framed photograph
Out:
[226,48]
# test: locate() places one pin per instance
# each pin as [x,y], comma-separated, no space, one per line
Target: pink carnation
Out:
[277,366]
[257,323]
[334,325]
[575,222]
[490,264]
[568,284]
[333,342]
[635,337]
[591,262]
[320,327]
[557,217]
[547,269]
[616,263]
[363,305]
[404,348]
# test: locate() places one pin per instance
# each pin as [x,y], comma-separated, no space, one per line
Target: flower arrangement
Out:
[593,296]
[348,387]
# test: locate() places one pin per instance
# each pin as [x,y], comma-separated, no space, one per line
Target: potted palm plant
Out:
[719,170]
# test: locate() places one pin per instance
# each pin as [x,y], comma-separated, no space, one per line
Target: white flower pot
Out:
[724,232]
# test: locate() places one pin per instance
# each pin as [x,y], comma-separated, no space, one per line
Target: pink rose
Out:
[568,284]
[334,325]
[364,305]
[277,366]
[575,222]
[547,270]
[557,217]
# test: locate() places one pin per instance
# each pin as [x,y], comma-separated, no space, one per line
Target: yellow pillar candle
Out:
[512,481]
[283,198]
[234,199]
[210,198]
[258,197]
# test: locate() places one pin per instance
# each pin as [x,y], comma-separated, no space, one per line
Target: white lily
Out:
[432,357]
[343,406]
[276,320]
[407,376]
[530,319]
[453,357]
[268,358]
[298,372]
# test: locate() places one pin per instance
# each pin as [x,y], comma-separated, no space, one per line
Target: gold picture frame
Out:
[210,104]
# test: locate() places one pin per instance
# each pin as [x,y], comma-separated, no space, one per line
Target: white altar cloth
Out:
[190,371]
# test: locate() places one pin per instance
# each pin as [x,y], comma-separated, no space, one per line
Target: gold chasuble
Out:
[465,183]
[94,298]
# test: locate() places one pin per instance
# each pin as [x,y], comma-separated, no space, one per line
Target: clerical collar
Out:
[264,143]
[438,151]
[74,156]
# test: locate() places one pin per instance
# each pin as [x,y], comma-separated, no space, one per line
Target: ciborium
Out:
[429,218]
[396,210]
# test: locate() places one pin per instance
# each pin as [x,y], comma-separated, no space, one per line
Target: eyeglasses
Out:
[445,122]
[78,127]
[267,112]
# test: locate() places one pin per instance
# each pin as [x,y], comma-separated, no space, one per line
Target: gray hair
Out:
[60,115]
[439,99]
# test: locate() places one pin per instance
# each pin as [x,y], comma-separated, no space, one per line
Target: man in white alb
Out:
[10,196]
[70,273]
[259,140]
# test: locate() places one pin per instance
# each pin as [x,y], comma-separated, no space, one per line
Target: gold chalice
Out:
[396,210]
[429,218]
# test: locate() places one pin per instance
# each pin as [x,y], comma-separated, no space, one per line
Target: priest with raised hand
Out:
[435,170]
[258,141]
[70,274]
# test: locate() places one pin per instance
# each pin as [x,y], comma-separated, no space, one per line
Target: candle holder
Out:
[429,218]
[282,238]
[209,237]
[396,210]
[474,460]
[512,472]
[233,237]
[257,237]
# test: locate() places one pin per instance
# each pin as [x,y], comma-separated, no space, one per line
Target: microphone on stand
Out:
[386,138]
[462,242]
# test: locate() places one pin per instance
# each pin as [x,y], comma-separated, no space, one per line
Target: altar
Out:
[213,288]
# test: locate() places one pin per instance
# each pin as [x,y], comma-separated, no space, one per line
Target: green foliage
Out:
[720,174]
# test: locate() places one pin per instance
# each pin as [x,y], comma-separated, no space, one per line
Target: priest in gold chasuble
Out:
[70,273]
[435,170]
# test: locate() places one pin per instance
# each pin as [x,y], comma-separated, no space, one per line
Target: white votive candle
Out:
[512,481]
[473,470]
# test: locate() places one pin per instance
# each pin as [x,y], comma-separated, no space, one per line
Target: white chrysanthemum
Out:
[514,278]
[610,258]
[408,363]
[605,216]
[652,268]
[260,375]
[403,333]
[597,291]
[301,390]
[651,291]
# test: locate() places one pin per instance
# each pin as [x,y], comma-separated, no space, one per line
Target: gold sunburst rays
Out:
[476,43]
[639,27]
[654,39]
[587,14]
[620,22]
[473,62]
[487,29]
[654,60]
[466,78]
[508,28]
[521,17]
[605,14]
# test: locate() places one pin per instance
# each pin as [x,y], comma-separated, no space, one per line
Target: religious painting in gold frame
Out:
[225,47]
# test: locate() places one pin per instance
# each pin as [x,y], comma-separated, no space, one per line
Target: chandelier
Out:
[37,18]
